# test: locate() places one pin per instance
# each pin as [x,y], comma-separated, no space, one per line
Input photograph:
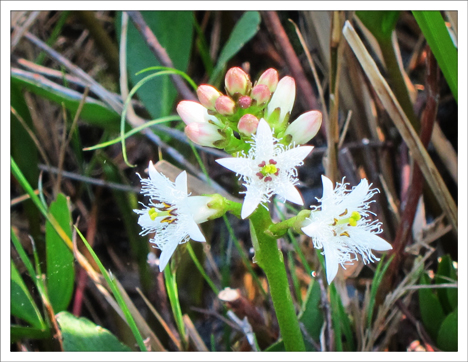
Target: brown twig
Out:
[160,53]
[274,25]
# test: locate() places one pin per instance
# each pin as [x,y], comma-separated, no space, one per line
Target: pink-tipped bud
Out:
[283,98]
[237,81]
[208,96]
[192,112]
[270,79]
[247,125]
[261,93]
[225,106]
[305,127]
[245,102]
[204,134]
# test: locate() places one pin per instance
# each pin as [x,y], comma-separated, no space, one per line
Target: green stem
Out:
[296,223]
[270,259]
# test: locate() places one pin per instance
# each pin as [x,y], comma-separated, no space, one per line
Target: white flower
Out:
[171,215]
[268,169]
[341,226]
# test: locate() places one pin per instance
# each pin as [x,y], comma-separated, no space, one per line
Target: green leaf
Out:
[173,294]
[174,31]
[244,30]
[276,347]
[20,332]
[435,31]
[21,303]
[380,23]
[82,335]
[446,274]
[311,316]
[60,275]
[432,313]
[94,112]
[447,339]
[24,151]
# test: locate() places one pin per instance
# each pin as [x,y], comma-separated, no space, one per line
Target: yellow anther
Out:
[334,222]
[345,212]
[269,169]
[153,213]
[345,233]
[355,216]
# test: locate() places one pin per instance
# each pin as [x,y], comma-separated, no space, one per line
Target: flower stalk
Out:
[270,259]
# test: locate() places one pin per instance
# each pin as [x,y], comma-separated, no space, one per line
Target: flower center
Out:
[348,221]
[267,170]
[168,211]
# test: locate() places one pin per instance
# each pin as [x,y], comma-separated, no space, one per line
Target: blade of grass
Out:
[378,276]
[201,270]
[112,284]
[133,131]
[129,99]
[171,286]
[403,125]
[22,304]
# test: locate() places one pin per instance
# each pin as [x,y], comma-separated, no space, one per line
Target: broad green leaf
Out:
[19,332]
[243,31]
[445,273]
[447,339]
[276,347]
[94,112]
[60,260]
[380,23]
[82,335]
[311,316]
[435,31]
[24,151]
[432,313]
[174,31]
[21,302]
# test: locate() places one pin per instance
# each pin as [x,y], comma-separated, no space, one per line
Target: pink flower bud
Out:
[269,78]
[208,96]
[245,102]
[247,124]
[191,112]
[261,93]
[225,106]
[305,127]
[204,134]
[283,98]
[237,81]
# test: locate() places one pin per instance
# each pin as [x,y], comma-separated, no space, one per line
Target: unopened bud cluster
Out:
[229,120]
